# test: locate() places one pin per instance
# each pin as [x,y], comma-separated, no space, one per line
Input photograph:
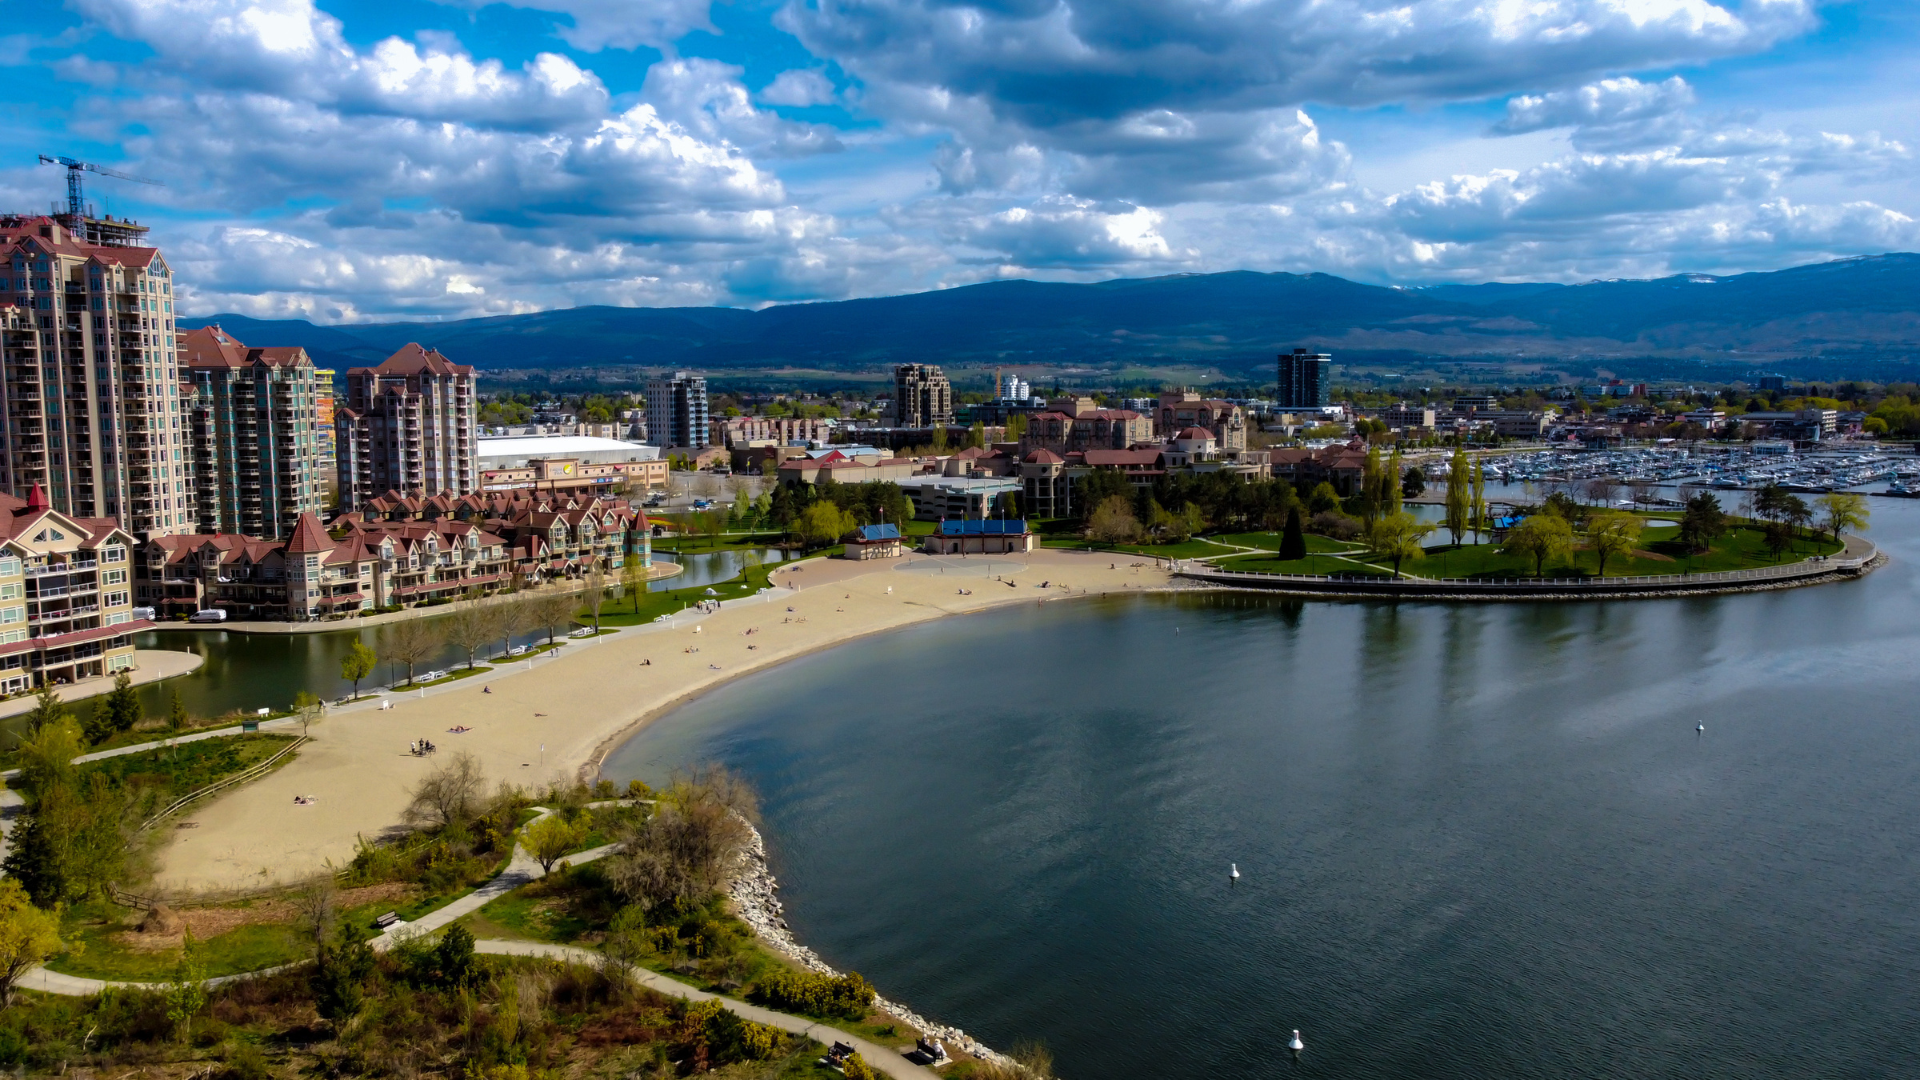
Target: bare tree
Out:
[410,643]
[633,579]
[700,828]
[1602,491]
[448,795]
[1642,493]
[316,903]
[556,610]
[515,616]
[596,592]
[470,627]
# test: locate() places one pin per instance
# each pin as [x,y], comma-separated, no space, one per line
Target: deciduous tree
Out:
[556,610]
[1540,537]
[1612,535]
[553,836]
[1459,495]
[28,936]
[1112,522]
[1841,511]
[1397,537]
[356,665]
[411,643]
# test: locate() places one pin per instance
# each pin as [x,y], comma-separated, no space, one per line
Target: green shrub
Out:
[815,995]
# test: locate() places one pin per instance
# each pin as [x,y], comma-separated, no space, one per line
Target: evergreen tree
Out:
[123,703]
[47,708]
[1293,543]
[177,718]
[34,861]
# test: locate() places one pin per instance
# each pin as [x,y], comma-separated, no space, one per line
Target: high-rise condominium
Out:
[89,375]
[677,410]
[922,396]
[1306,379]
[255,420]
[407,426]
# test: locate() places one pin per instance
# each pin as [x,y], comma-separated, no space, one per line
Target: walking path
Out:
[884,1059]
[521,869]
[149,666]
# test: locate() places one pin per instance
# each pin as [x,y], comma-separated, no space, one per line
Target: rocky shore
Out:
[755,896]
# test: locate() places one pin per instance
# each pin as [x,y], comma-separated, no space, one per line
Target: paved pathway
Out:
[521,869]
[884,1059]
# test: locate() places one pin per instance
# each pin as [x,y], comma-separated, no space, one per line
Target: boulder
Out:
[162,920]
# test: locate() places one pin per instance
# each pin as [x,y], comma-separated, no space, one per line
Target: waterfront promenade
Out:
[1859,556]
[550,717]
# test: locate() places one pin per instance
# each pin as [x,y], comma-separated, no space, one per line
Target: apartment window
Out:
[9,566]
[9,637]
[13,614]
[114,577]
[116,599]
[114,553]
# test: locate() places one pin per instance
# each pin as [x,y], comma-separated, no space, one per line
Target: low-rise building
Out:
[66,596]
[972,537]
[1341,465]
[873,542]
[937,497]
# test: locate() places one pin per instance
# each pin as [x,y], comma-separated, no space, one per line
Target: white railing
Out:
[1814,567]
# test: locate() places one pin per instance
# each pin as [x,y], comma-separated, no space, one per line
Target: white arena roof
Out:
[509,451]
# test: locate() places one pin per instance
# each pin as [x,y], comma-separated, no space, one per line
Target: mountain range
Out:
[1849,311]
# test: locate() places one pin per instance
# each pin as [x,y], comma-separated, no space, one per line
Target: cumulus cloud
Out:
[1607,103]
[1051,62]
[798,88]
[707,98]
[291,49]
[323,176]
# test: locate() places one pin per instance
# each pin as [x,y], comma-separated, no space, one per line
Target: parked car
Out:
[209,615]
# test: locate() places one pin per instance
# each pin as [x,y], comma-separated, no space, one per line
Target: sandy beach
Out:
[551,718]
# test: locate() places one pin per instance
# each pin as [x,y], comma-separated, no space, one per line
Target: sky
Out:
[366,160]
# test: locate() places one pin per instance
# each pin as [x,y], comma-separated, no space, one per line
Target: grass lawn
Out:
[1191,549]
[171,773]
[719,543]
[95,926]
[1312,564]
[1269,541]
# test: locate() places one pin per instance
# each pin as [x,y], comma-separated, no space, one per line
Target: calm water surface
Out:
[1477,841]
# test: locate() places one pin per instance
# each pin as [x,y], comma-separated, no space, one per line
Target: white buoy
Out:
[1702,728]
[1296,1044]
[1233,871]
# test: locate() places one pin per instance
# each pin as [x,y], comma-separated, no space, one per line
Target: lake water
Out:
[1477,841]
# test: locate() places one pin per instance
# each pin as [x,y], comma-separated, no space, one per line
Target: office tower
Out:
[89,375]
[677,410]
[1305,379]
[407,426]
[254,423]
[1014,388]
[922,397]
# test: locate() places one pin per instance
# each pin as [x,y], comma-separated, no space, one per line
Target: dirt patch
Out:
[210,922]
[1653,555]
[368,894]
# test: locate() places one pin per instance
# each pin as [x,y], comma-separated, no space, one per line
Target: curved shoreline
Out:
[592,696]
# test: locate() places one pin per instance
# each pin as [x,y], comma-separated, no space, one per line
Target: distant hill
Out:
[1852,309]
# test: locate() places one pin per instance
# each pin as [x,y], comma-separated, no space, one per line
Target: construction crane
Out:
[76,200]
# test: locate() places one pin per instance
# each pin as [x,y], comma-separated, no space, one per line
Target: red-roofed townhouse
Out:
[66,596]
